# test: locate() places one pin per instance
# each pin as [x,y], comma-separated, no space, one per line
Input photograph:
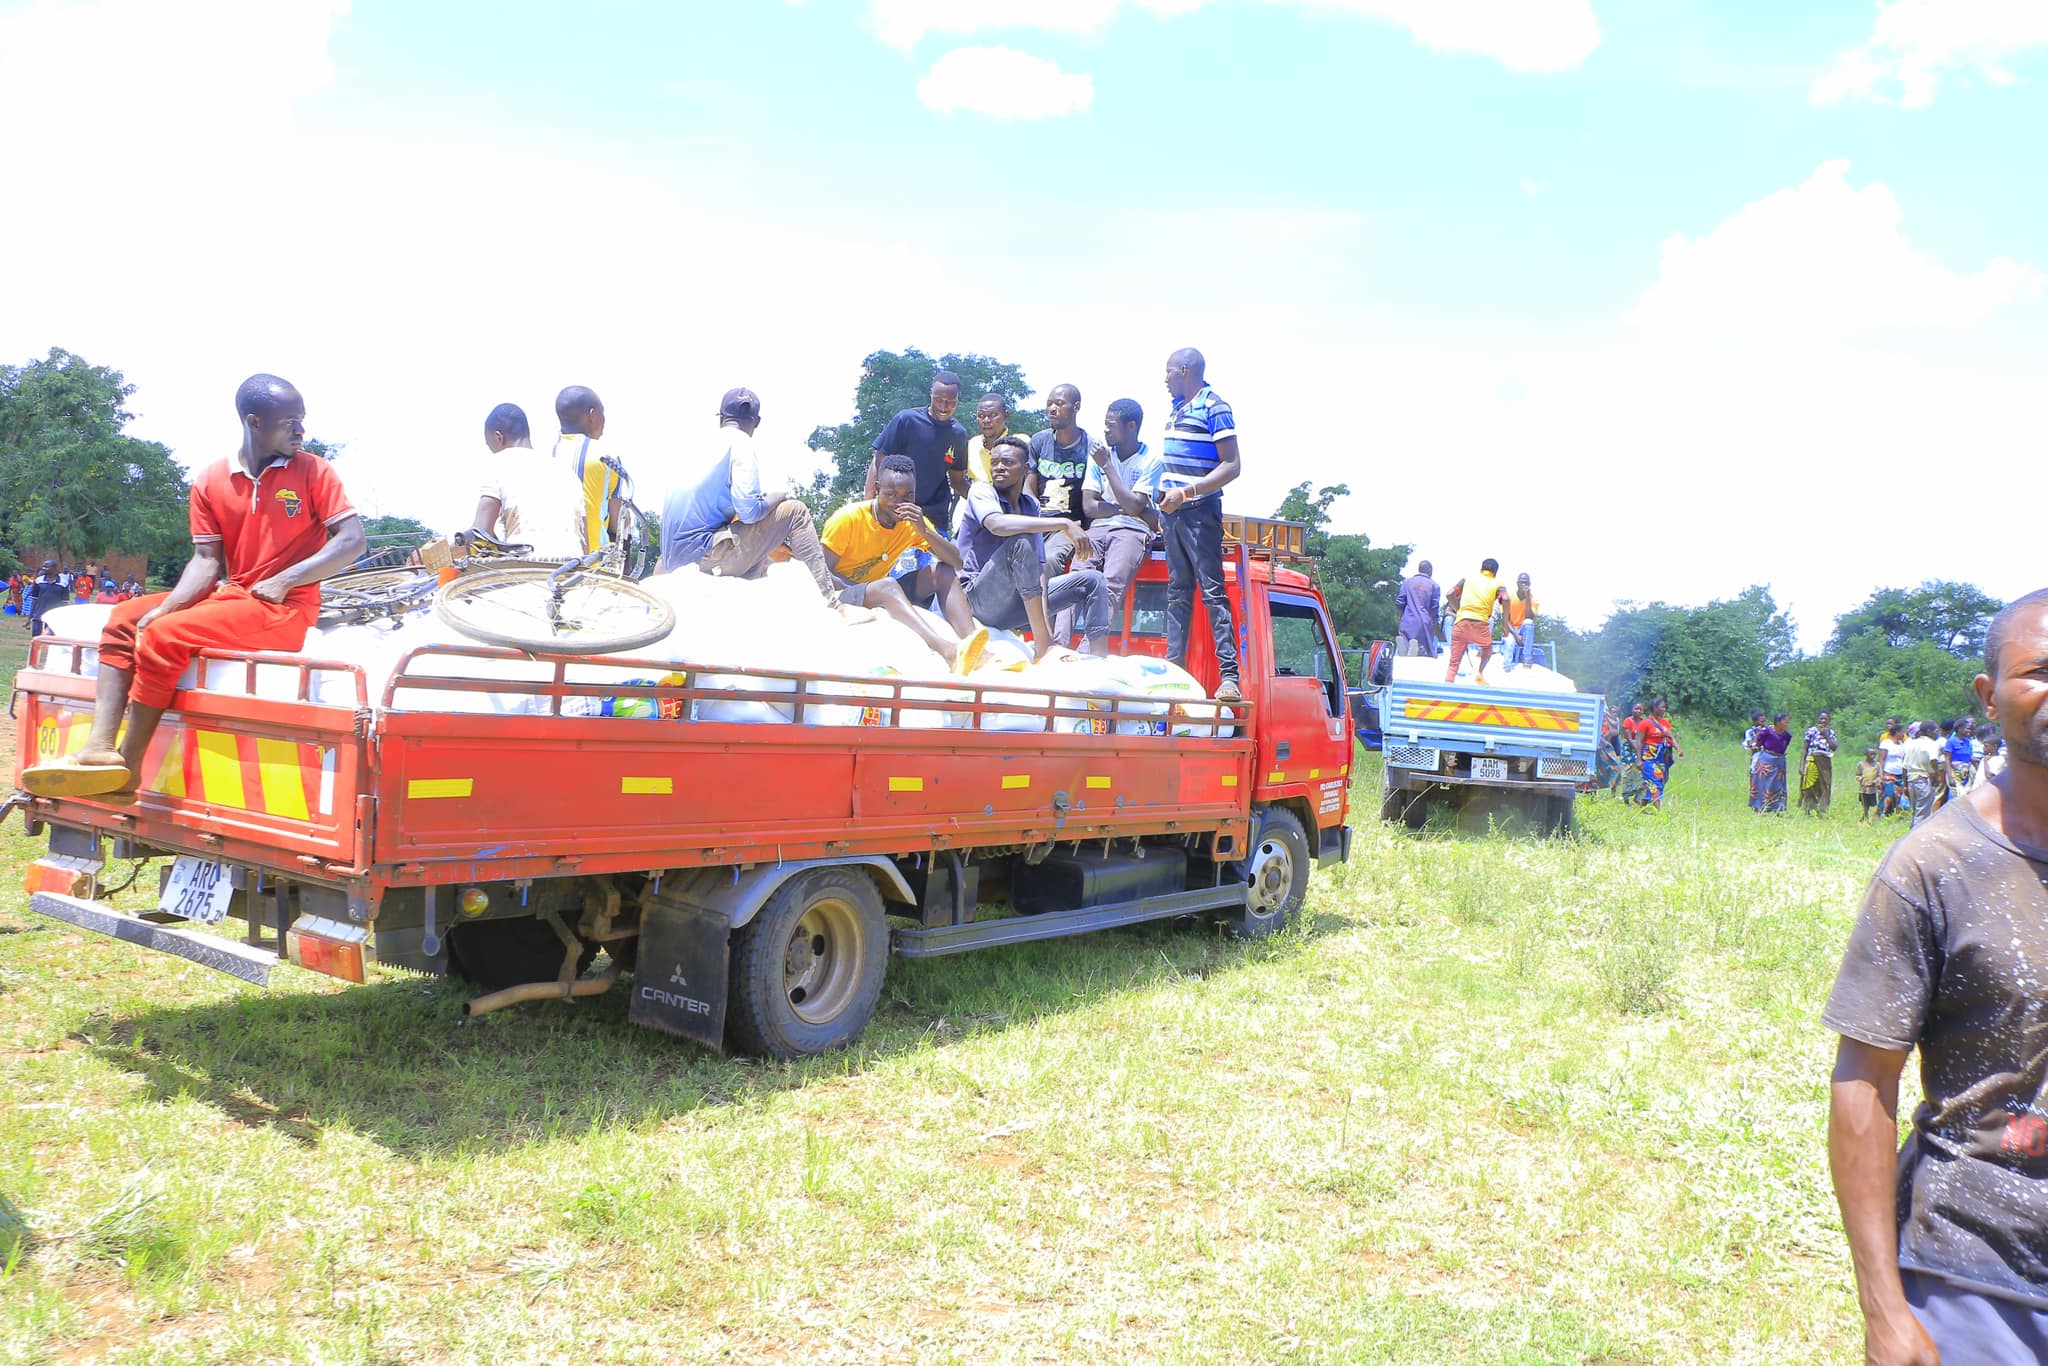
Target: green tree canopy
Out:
[71,480]
[1358,579]
[1948,616]
[891,381]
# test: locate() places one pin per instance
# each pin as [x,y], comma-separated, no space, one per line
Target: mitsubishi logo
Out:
[676,978]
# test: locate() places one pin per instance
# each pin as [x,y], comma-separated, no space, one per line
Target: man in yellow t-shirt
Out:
[1479,597]
[578,452]
[862,542]
[1522,609]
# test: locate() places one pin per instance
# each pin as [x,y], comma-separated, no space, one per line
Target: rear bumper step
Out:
[207,950]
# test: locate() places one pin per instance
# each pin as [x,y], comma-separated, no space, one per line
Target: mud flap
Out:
[680,977]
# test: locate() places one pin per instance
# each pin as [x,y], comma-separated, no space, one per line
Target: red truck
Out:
[752,879]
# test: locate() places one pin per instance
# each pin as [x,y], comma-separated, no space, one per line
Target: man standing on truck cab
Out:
[581,415]
[725,523]
[1479,597]
[1201,456]
[1120,499]
[1003,557]
[1944,1233]
[862,542]
[527,498]
[268,524]
[1421,603]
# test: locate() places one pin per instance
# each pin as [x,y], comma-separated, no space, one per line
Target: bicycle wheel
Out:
[527,609]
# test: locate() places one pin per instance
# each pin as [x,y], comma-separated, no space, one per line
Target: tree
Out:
[891,381]
[1948,616]
[1706,661]
[70,479]
[1358,580]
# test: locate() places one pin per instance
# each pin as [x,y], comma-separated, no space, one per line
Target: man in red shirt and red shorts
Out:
[268,524]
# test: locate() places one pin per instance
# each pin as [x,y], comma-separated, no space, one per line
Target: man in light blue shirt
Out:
[725,523]
[1119,500]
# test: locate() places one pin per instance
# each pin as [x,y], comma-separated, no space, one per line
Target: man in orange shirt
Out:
[268,524]
[1521,624]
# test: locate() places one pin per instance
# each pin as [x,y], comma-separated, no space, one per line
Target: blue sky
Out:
[1651,300]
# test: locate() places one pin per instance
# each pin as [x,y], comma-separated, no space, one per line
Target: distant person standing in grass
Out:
[1891,751]
[1771,744]
[1946,1233]
[1817,767]
[1926,770]
[1660,749]
[1421,603]
[1757,726]
[1868,774]
[1962,757]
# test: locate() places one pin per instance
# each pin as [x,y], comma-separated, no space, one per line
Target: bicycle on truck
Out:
[502,594]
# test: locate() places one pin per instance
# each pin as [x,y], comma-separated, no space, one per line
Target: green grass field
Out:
[1491,1101]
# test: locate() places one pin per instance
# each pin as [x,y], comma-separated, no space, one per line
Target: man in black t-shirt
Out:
[936,445]
[1949,1236]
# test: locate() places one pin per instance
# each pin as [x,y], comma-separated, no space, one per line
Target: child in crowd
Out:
[1869,774]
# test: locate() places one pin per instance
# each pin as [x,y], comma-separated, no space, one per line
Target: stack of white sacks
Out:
[774,624]
[1521,678]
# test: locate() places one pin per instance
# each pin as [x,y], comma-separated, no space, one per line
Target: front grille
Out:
[1411,756]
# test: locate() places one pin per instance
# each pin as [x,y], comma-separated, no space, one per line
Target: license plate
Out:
[199,890]
[1494,769]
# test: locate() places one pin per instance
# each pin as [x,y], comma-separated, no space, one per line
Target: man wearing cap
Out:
[268,524]
[725,523]
[45,591]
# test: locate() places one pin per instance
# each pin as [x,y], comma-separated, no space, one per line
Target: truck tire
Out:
[1558,821]
[1275,874]
[495,954]
[1409,808]
[807,970]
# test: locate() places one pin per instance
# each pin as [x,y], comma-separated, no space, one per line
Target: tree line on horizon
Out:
[71,478]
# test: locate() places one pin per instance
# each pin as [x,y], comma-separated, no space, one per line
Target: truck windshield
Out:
[1301,648]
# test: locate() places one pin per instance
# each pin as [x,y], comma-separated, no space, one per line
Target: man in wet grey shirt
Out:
[1949,1235]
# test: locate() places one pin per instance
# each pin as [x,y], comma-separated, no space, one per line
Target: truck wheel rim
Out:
[822,967]
[1270,878]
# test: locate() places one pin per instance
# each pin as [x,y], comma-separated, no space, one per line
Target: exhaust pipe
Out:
[541,991]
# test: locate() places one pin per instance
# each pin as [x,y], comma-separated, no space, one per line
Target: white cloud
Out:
[1005,84]
[1523,35]
[903,23]
[1823,260]
[1913,43]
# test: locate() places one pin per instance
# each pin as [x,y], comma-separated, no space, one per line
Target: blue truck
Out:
[1488,752]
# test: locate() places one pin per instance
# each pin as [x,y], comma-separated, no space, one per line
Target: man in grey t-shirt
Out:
[1949,1236]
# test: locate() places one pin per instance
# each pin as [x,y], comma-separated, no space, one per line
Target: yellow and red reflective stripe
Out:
[1489,714]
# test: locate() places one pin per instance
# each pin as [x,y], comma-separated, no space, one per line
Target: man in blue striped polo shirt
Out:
[1200,457]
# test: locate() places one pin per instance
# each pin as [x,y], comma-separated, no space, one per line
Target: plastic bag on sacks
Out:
[749,711]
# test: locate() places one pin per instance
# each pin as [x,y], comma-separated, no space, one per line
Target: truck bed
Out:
[376,797]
